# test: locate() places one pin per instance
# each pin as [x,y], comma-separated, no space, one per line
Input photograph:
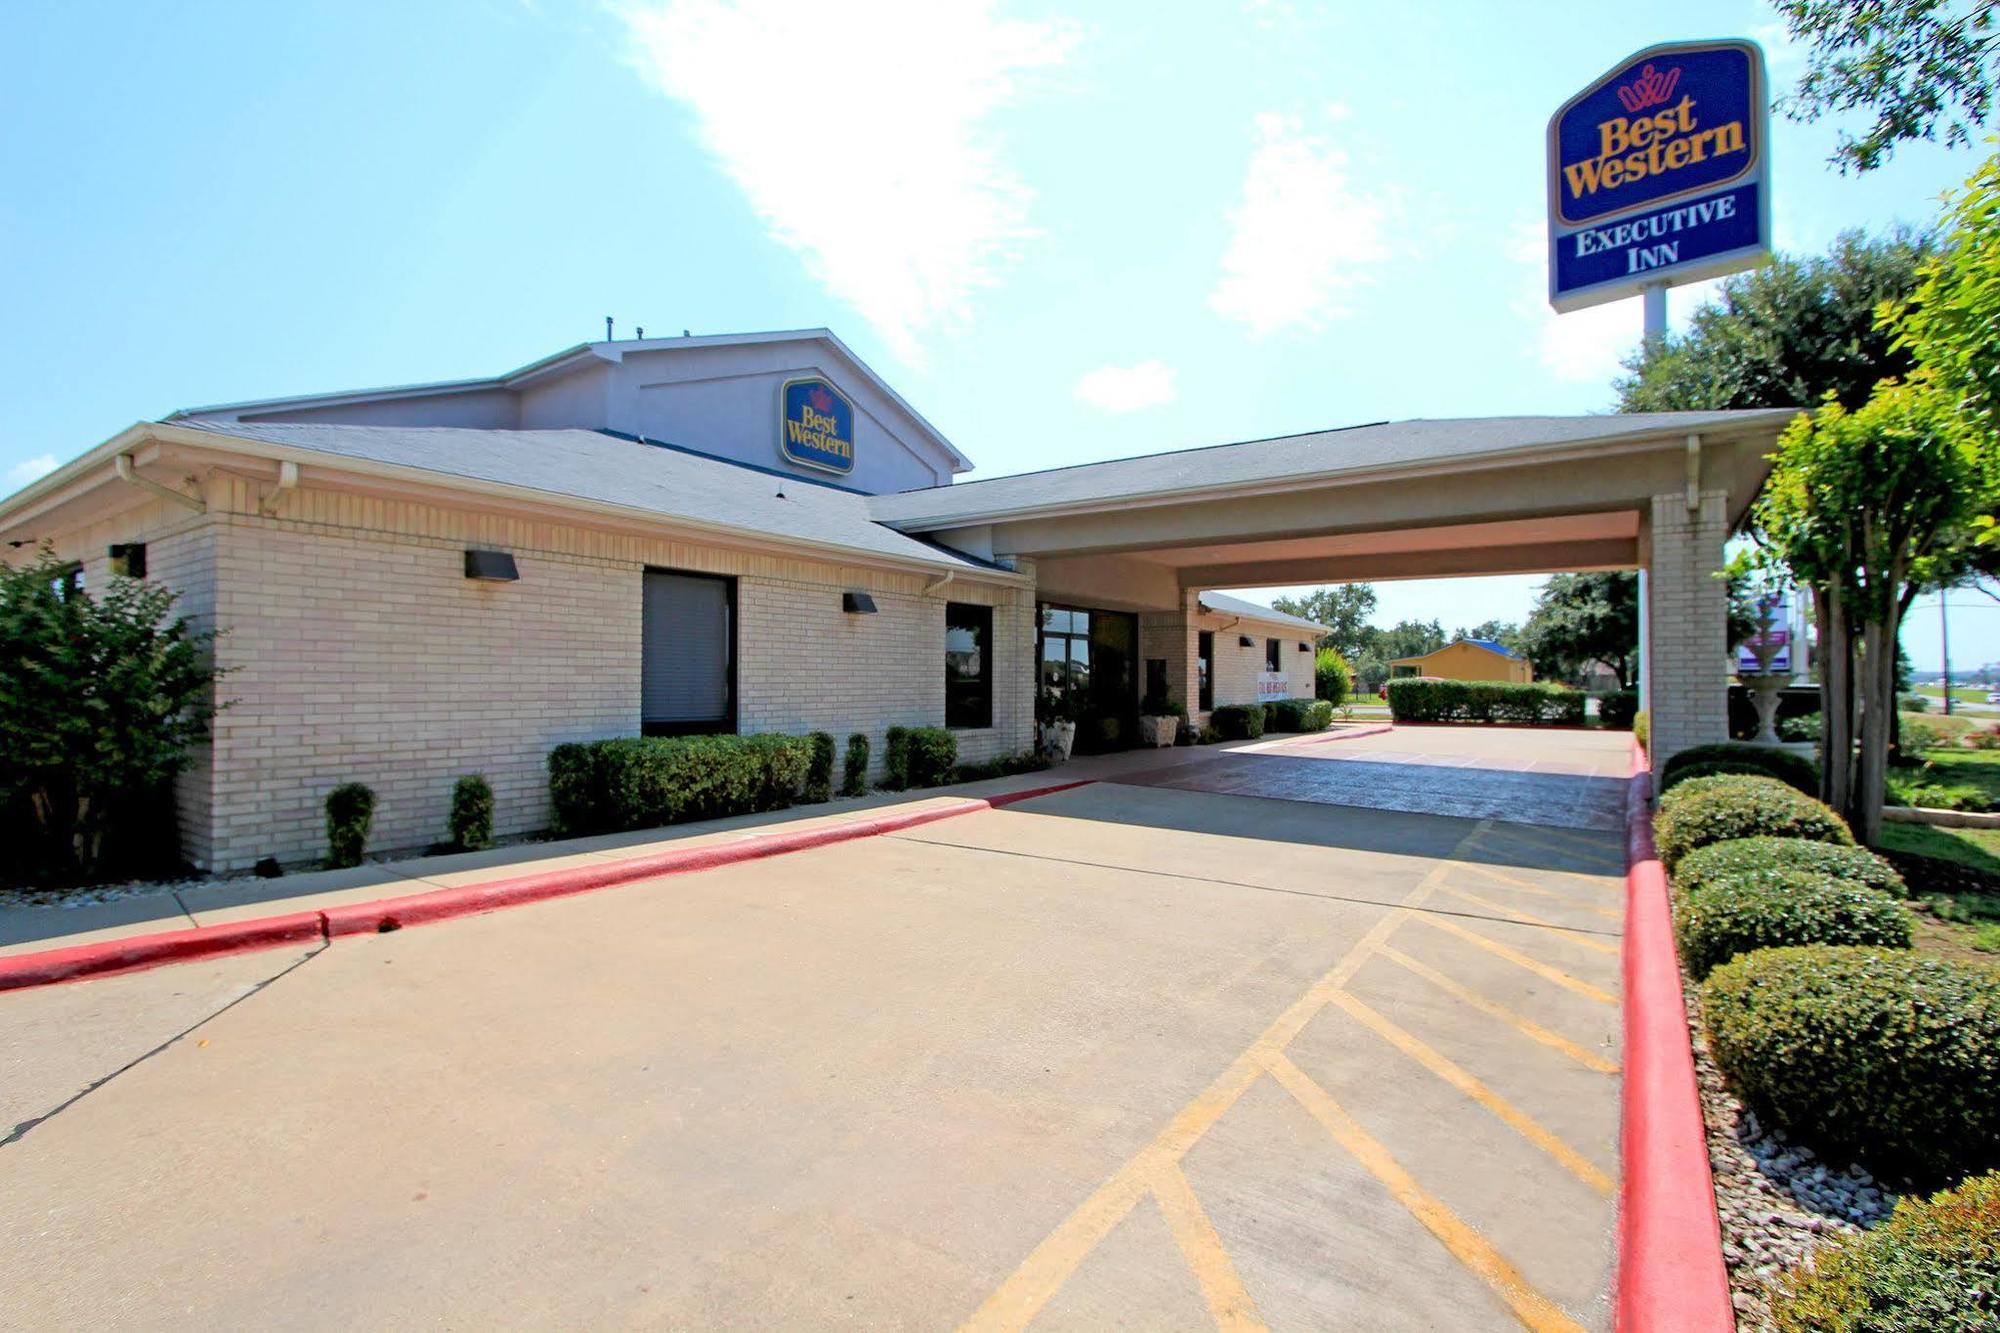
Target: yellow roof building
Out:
[1467,659]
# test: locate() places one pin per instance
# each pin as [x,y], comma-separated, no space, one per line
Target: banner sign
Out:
[816,425]
[1658,173]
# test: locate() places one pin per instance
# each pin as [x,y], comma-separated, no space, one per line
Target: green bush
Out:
[931,756]
[1717,769]
[819,770]
[1642,729]
[472,813]
[1298,715]
[1006,766]
[1723,860]
[896,759]
[1887,1055]
[1423,700]
[1918,736]
[1333,678]
[644,782]
[1718,809]
[1796,770]
[1932,1267]
[1804,727]
[1762,909]
[1618,708]
[350,810]
[854,766]
[1238,722]
[1912,703]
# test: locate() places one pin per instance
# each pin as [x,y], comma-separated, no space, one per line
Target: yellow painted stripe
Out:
[1519,959]
[1227,1299]
[1526,1026]
[1578,843]
[1510,1115]
[1516,914]
[1041,1275]
[1541,891]
[1466,1245]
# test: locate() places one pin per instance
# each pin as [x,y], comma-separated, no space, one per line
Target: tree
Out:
[1919,65]
[1951,323]
[1333,678]
[1343,608]
[1583,618]
[1408,638]
[1867,508]
[101,699]
[1787,334]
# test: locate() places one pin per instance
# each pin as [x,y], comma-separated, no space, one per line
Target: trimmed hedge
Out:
[1618,708]
[918,757]
[1006,766]
[1933,1265]
[1720,809]
[1420,700]
[1763,909]
[1718,769]
[1726,859]
[644,782]
[1642,730]
[1792,769]
[471,819]
[350,811]
[1298,715]
[1888,1055]
[1238,722]
[854,765]
[819,770]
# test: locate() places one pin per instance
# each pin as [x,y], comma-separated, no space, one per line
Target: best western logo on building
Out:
[1657,173]
[816,425]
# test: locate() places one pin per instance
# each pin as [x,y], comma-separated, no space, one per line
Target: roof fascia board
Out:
[1600,447]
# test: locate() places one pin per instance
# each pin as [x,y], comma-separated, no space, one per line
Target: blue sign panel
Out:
[816,425]
[1657,173]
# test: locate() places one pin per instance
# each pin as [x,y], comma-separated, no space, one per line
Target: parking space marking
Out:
[1526,1026]
[1529,918]
[1571,844]
[1471,1249]
[1519,959]
[1523,886]
[1227,1299]
[1512,1116]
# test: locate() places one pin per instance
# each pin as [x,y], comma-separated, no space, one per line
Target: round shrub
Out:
[350,810]
[1792,769]
[1933,1265]
[1761,909]
[1718,768]
[471,820]
[1889,1055]
[1726,859]
[1718,809]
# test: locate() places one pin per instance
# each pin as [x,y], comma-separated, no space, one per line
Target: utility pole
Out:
[1944,646]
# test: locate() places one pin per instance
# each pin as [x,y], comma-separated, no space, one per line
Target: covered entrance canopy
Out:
[1658,492]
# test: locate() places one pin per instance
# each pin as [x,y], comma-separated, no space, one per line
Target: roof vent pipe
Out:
[607,328]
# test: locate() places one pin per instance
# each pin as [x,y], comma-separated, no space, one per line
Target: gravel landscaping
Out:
[1778,1201]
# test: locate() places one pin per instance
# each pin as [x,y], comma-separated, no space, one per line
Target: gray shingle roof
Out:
[1383,444]
[1236,606]
[590,465]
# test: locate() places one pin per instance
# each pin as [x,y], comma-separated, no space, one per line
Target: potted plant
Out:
[1159,720]
[1057,716]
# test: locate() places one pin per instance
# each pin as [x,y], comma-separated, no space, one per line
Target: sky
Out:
[1064,232]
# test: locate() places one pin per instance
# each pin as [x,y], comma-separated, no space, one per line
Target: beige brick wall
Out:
[1238,669]
[358,651]
[1687,622]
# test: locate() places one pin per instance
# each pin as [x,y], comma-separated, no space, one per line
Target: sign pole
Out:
[1655,297]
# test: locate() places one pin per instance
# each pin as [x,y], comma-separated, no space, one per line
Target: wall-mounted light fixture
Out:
[1245,641]
[1305,647]
[492,566]
[857,604]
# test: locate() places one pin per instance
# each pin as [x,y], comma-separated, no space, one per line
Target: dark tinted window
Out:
[1272,662]
[968,665]
[687,659]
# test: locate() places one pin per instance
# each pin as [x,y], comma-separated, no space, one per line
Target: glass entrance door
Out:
[1088,660]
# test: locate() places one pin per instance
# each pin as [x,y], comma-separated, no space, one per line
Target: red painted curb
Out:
[1347,735]
[1670,1269]
[143,951]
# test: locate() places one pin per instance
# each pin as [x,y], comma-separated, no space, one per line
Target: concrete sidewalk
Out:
[32,928]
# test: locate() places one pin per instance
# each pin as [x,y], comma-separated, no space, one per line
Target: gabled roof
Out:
[1291,460]
[610,471]
[1236,606]
[1491,646]
[574,358]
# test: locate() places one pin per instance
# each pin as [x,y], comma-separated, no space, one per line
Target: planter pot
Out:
[1057,738]
[1159,732]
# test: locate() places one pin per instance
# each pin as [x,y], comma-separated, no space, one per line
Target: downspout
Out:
[288,479]
[123,463]
[1694,473]
[939,581]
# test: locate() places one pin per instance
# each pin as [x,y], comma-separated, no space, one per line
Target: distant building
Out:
[1467,659]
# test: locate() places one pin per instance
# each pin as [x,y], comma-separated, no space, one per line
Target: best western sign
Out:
[816,425]
[1658,174]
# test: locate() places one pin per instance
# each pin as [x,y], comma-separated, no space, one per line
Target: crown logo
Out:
[821,400]
[1650,89]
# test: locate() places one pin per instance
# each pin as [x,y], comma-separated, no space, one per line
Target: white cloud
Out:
[1302,235]
[862,135]
[28,469]
[1128,388]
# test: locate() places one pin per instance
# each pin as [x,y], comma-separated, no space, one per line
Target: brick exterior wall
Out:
[1237,670]
[1687,623]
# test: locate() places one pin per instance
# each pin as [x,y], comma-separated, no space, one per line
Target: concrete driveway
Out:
[1132,1054]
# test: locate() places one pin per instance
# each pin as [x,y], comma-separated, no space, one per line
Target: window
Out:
[1204,655]
[687,659]
[129,559]
[968,665]
[1272,662]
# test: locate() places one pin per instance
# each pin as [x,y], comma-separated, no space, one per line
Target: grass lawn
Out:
[1964,924]
[1971,694]
[1950,779]
[1955,725]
